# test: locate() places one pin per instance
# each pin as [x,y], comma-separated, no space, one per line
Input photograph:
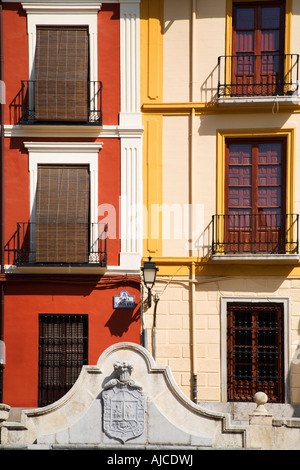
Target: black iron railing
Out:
[267,233]
[61,244]
[247,75]
[92,104]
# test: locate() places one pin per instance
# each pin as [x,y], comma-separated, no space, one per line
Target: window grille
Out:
[63,350]
[255,351]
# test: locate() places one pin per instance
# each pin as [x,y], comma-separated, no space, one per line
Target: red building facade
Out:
[72,184]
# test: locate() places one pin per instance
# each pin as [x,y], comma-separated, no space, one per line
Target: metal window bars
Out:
[269,233]
[249,75]
[63,350]
[92,104]
[32,250]
[255,359]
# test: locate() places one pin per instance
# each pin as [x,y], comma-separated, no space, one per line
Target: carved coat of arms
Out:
[123,405]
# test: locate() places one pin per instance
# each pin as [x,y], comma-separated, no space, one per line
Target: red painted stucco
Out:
[109,61]
[15,58]
[25,300]
[25,296]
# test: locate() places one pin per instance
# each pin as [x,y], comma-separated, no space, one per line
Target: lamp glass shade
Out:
[149,276]
[149,272]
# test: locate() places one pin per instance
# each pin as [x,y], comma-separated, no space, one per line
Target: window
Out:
[255,194]
[63,228]
[62,83]
[255,362]
[258,49]
[61,73]
[62,214]
[63,350]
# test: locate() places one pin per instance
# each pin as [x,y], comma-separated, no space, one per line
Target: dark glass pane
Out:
[245,18]
[239,218]
[239,197]
[270,17]
[244,64]
[270,65]
[269,175]
[242,318]
[239,176]
[240,154]
[269,197]
[245,41]
[270,41]
[269,153]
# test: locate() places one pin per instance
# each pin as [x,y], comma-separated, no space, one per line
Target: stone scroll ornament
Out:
[123,405]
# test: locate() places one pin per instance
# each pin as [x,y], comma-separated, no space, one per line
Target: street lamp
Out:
[149,274]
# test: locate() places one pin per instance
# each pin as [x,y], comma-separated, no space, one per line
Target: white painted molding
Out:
[60,147]
[130,64]
[131,203]
[85,153]
[62,13]
[69,2]
[72,131]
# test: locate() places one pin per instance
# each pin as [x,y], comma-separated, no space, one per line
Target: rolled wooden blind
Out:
[62,214]
[61,74]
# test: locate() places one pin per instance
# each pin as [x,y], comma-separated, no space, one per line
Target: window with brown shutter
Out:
[61,74]
[62,214]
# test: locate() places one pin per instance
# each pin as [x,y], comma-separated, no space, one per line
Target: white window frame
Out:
[63,14]
[58,14]
[224,302]
[66,153]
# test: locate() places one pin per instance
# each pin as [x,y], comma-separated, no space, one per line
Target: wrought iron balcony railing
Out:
[60,244]
[249,75]
[51,102]
[263,233]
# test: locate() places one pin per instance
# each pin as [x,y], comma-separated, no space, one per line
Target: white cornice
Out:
[72,131]
[63,146]
[38,6]
[71,1]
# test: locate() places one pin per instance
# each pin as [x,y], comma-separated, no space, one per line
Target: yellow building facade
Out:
[220,108]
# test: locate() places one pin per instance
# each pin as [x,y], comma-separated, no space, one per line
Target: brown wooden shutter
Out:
[61,74]
[62,214]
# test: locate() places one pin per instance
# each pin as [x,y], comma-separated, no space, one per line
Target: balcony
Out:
[51,102]
[258,79]
[61,245]
[255,236]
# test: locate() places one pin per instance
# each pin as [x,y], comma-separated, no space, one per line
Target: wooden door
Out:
[255,196]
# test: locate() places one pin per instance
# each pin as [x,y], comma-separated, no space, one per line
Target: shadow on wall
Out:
[121,319]
[294,376]
[209,88]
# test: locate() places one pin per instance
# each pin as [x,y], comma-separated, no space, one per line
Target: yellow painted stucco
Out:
[184,137]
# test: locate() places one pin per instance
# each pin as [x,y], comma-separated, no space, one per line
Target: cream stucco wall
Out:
[173,332]
[209,43]
[190,172]
[176,165]
[176,51]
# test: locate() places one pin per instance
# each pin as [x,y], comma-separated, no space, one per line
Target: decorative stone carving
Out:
[260,399]
[123,405]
